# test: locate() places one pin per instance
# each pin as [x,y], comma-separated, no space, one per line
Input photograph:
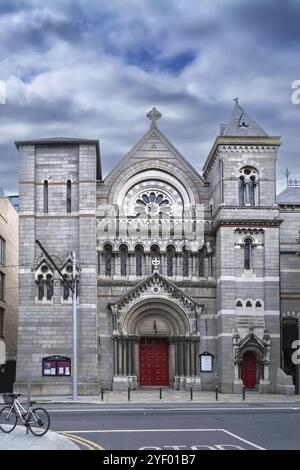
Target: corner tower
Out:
[57,206]
[245,221]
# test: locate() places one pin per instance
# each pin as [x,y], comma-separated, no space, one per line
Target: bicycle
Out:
[36,419]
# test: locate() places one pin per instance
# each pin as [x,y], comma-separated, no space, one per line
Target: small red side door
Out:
[249,370]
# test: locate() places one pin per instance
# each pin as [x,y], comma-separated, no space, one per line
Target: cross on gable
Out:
[156,262]
[153,115]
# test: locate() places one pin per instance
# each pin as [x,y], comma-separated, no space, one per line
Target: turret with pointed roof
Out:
[241,129]
[241,124]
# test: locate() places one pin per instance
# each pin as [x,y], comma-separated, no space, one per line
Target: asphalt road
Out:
[186,427]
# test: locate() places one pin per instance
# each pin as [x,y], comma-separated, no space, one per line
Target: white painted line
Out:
[243,440]
[241,408]
[89,431]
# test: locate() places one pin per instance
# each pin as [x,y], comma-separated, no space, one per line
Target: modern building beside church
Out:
[184,279]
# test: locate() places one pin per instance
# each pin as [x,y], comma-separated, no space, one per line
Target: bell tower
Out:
[245,220]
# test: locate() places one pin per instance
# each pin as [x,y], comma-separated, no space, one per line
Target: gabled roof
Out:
[241,124]
[155,132]
[158,280]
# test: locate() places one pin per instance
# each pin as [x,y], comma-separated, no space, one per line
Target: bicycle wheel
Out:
[38,421]
[8,419]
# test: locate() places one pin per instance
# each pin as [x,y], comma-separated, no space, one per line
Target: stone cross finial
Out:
[153,115]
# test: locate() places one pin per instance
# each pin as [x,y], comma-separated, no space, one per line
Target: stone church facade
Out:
[179,278]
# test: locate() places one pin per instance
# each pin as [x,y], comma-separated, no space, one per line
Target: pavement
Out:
[169,396]
[19,440]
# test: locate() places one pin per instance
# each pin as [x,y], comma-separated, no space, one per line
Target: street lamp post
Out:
[74,322]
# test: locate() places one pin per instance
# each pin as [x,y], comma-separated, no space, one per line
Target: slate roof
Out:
[241,124]
[289,196]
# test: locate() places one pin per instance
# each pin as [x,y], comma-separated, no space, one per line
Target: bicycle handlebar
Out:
[13,395]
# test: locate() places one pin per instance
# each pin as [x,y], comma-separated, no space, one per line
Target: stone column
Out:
[115,348]
[178,257]
[164,269]
[195,357]
[130,267]
[194,264]
[117,264]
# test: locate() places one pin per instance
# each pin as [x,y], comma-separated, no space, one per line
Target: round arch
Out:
[166,312]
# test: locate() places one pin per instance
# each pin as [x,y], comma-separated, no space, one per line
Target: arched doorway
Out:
[155,346]
[249,370]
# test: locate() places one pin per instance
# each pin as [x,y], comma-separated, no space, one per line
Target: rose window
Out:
[153,203]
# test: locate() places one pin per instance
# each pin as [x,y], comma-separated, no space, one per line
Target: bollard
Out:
[102,394]
[244,392]
[217,393]
[191,390]
[160,393]
[128,394]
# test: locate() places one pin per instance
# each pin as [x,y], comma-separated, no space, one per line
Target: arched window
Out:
[44,282]
[239,303]
[258,304]
[251,188]
[49,286]
[66,290]
[107,259]
[248,187]
[241,191]
[46,197]
[170,260]
[40,284]
[139,260]
[185,262]
[248,253]
[69,199]
[123,256]
[248,303]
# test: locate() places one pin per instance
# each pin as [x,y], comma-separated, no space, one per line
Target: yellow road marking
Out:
[81,440]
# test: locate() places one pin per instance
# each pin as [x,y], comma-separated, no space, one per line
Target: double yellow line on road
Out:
[81,440]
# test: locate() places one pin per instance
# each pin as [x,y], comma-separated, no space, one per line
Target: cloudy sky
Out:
[94,68]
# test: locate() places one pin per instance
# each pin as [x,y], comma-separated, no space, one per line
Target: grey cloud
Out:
[94,68]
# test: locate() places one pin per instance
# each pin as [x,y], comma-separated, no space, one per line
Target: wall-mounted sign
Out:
[206,362]
[56,365]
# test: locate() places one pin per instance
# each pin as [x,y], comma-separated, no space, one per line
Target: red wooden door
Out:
[154,361]
[249,370]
